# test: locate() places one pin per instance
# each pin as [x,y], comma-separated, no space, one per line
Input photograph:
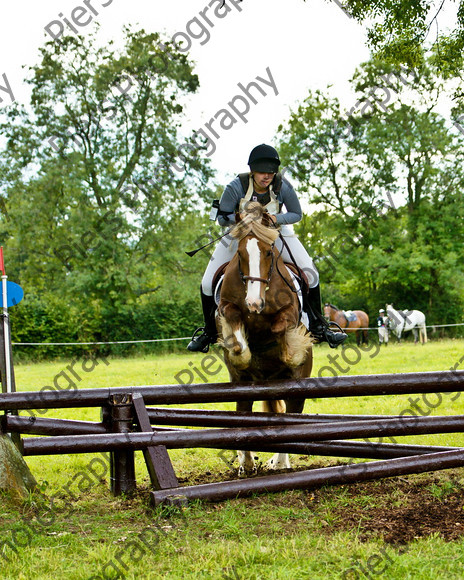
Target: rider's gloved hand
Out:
[247,218]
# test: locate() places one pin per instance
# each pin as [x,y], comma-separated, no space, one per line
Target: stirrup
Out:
[200,343]
[334,338]
[323,333]
[332,322]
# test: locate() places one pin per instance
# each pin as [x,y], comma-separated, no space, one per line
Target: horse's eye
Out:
[269,252]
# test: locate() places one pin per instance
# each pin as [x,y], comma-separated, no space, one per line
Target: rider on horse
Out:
[264,184]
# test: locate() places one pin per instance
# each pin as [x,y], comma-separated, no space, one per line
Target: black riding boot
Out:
[209,335]
[318,325]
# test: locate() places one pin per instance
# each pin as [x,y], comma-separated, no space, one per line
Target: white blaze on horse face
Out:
[253,296]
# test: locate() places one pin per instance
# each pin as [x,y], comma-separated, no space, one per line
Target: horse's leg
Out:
[233,335]
[296,339]
[278,460]
[282,460]
[295,405]
[246,463]
[303,372]
[365,332]
[415,333]
[422,334]
[297,343]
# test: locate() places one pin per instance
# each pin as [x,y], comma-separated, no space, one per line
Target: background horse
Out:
[258,320]
[359,325]
[404,320]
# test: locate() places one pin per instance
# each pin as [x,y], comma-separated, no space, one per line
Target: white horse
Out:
[404,320]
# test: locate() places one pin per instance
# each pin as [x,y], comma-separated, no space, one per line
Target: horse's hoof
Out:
[278,461]
[247,472]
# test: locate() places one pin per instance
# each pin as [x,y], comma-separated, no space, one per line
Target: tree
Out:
[383,183]
[399,30]
[95,181]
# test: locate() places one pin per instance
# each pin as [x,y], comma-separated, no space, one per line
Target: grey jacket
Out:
[233,193]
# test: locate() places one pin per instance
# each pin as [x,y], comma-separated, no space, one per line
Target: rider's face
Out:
[263,180]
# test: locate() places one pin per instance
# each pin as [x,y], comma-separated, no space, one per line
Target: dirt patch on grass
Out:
[396,510]
[403,510]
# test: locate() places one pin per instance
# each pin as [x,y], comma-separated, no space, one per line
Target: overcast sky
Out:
[293,46]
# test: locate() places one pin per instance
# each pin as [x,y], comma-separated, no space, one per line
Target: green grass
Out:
[292,535]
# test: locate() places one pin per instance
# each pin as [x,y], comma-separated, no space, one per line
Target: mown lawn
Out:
[406,527]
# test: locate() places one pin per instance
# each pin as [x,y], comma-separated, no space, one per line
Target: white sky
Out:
[306,45]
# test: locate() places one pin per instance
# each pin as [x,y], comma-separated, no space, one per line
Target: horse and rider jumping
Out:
[259,323]
[260,308]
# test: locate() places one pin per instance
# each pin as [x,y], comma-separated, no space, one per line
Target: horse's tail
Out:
[278,406]
[423,333]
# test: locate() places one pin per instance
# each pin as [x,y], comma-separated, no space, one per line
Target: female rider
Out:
[264,184]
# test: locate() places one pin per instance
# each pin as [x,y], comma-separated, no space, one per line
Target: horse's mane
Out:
[332,306]
[265,233]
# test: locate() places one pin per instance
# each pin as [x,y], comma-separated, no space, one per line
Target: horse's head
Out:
[327,309]
[330,311]
[390,310]
[394,316]
[256,255]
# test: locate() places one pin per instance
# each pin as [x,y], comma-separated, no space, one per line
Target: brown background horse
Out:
[258,321]
[359,326]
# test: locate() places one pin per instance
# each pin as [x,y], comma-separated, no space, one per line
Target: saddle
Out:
[350,315]
[405,313]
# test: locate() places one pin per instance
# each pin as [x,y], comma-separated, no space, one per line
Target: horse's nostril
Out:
[255,306]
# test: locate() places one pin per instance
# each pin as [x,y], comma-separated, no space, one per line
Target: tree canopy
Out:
[91,197]
[97,210]
[399,31]
[384,186]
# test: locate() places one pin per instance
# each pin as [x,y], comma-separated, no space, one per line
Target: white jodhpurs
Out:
[383,334]
[227,247]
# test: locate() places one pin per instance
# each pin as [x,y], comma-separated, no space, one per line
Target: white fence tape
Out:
[171,339]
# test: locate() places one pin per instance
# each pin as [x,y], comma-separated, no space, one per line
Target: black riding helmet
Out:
[264,159]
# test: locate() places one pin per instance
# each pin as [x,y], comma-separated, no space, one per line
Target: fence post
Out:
[5,319]
[159,465]
[122,463]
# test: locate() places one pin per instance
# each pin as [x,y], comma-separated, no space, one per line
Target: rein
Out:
[298,269]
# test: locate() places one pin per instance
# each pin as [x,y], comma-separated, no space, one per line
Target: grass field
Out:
[410,527]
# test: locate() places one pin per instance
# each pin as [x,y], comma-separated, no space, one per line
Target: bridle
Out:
[266,281]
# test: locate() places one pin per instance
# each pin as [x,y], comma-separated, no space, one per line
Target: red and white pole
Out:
[6,325]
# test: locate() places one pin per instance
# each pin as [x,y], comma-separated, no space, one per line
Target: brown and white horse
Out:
[359,325]
[258,321]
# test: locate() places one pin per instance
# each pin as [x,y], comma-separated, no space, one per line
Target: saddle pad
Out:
[350,315]
[405,313]
[217,290]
